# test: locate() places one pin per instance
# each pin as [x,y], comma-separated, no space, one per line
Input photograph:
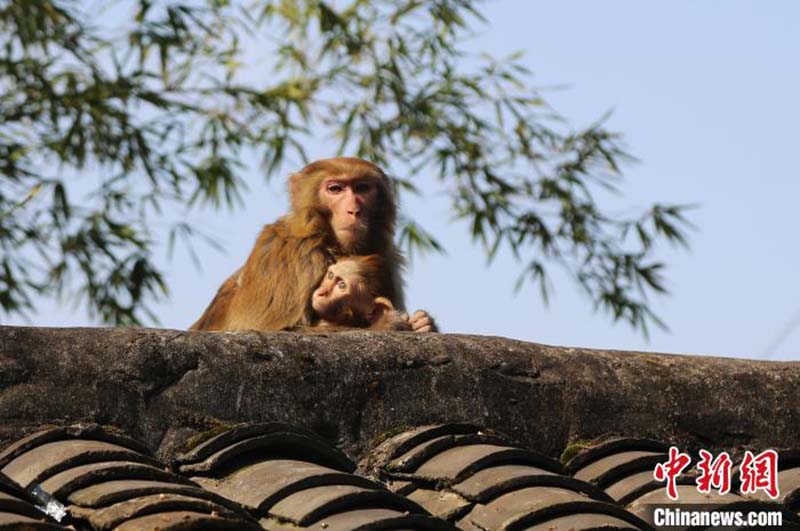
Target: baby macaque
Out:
[349,296]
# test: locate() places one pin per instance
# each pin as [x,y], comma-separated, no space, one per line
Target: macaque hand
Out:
[420,321]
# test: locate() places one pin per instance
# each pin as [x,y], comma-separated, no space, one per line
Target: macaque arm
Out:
[277,282]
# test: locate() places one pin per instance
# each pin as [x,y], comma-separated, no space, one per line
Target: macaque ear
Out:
[381,306]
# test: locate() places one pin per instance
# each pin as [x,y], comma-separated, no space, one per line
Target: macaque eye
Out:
[334,188]
[330,275]
[342,285]
[362,187]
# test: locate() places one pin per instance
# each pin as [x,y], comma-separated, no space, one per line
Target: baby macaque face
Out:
[341,288]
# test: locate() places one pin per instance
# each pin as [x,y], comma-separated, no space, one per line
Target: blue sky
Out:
[706,94]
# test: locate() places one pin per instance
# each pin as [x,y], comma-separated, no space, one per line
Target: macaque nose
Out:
[353,203]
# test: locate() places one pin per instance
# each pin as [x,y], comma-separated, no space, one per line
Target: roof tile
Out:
[278,477]
[291,477]
[64,483]
[234,447]
[483,480]
[41,462]
[286,476]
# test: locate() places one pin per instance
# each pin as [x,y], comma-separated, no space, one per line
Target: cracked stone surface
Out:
[167,387]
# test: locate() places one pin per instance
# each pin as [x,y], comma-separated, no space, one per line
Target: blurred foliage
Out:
[154,112]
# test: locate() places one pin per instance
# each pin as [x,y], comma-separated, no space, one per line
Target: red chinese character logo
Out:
[760,472]
[670,470]
[714,473]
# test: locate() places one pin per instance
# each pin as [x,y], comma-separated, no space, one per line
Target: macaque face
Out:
[339,289]
[351,202]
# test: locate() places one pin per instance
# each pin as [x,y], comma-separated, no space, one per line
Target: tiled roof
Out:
[623,468]
[110,482]
[280,477]
[184,443]
[310,483]
[482,480]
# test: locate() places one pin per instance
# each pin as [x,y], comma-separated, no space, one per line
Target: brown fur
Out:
[272,290]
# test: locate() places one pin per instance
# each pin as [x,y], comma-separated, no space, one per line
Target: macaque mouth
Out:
[354,224]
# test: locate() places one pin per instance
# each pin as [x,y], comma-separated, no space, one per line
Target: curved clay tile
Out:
[293,479]
[482,480]
[111,483]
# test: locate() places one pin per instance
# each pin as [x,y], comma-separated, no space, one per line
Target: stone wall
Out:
[356,388]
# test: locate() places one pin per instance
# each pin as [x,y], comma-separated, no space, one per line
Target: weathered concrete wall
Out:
[163,386]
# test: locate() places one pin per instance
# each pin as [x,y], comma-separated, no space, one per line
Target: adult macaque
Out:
[349,297]
[340,206]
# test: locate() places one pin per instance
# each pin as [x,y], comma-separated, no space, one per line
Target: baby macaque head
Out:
[349,294]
